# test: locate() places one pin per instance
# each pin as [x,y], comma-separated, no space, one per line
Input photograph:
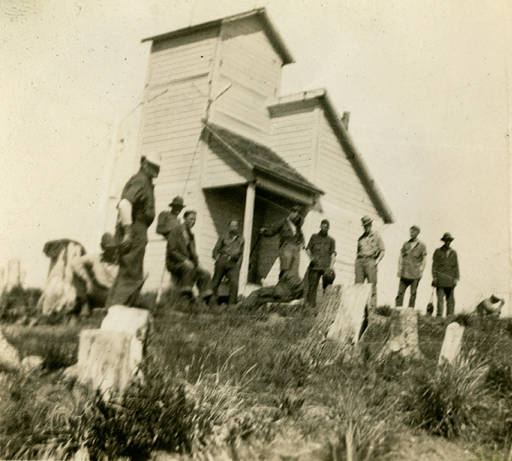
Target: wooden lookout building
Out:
[235,148]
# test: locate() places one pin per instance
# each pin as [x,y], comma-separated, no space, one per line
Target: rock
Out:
[403,338]
[348,323]
[452,343]
[32,363]
[9,356]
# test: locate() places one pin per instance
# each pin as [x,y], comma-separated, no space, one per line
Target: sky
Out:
[426,82]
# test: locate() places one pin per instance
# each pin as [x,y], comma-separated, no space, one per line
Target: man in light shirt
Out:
[411,265]
[370,251]
[94,274]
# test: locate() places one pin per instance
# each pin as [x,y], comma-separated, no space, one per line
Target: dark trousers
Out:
[404,283]
[448,293]
[130,277]
[185,279]
[289,256]
[232,273]
[313,278]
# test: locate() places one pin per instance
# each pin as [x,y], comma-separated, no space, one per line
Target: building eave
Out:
[261,13]
[295,100]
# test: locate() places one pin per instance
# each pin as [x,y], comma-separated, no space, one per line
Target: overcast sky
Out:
[425,82]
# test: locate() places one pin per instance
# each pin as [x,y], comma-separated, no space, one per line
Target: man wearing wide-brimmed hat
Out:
[136,212]
[370,250]
[291,240]
[168,219]
[445,275]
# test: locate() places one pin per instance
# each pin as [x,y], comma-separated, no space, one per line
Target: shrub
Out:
[18,302]
[450,401]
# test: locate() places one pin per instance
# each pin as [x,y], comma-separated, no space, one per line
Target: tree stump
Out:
[452,344]
[403,336]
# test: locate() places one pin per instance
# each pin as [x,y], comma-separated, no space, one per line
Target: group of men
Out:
[411,265]
[121,284]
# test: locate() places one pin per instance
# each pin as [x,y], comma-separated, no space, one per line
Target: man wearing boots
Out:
[445,275]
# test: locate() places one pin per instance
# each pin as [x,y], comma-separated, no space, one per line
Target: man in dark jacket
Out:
[168,219]
[445,275]
[228,257]
[136,212]
[291,240]
[182,261]
[411,264]
[322,252]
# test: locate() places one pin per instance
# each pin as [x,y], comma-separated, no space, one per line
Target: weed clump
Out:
[449,401]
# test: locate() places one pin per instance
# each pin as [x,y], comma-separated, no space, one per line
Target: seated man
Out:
[94,274]
[490,306]
[288,288]
[182,261]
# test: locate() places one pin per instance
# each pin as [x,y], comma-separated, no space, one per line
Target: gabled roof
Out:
[306,98]
[259,13]
[260,158]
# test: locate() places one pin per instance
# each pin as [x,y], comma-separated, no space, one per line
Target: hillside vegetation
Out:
[238,385]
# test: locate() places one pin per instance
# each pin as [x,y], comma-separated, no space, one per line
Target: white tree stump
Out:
[351,313]
[452,343]
[403,336]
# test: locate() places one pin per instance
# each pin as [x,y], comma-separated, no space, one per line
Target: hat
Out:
[107,241]
[177,201]
[415,227]
[366,220]
[447,237]
[154,157]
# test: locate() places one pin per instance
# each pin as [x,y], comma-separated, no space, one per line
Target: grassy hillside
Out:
[249,386]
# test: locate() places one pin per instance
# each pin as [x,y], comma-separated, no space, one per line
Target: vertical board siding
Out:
[294,139]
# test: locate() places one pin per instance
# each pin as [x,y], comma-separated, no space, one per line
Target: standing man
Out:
[322,253]
[168,219]
[136,212]
[445,275]
[182,261]
[411,264]
[291,240]
[228,257]
[370,251]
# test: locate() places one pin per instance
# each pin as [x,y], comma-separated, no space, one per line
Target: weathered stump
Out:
[403,336]
[109,358]
[338,324]
[452,344]
[351,314]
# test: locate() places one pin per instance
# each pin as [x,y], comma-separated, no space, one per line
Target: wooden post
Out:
[248,219]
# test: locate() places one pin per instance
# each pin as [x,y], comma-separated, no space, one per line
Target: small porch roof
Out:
[261,160]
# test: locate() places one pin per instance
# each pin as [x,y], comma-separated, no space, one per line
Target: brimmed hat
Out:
[154,157]
[177,201]
[447,237]
[366,220]
[107,241]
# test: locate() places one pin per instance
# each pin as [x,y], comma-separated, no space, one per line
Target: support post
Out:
[247,233]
